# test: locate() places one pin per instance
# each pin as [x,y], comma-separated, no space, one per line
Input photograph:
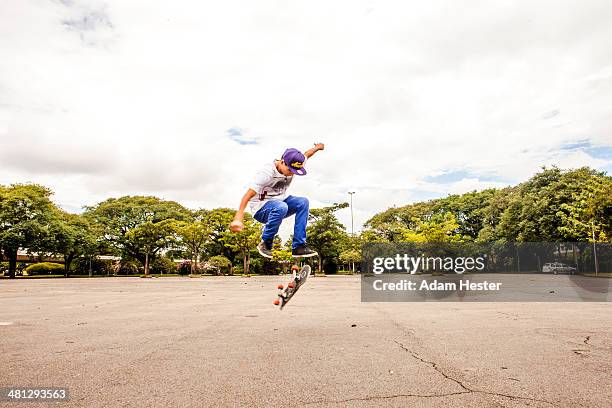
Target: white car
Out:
[558,267]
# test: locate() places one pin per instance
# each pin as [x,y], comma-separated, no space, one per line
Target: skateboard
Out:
[286,293]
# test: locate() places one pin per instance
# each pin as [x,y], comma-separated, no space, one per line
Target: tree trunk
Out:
[245,265]
[90,269]
[320,263]
[11,254]
[146,265]
[67,262]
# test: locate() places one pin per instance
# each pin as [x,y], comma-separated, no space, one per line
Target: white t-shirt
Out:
[269,184]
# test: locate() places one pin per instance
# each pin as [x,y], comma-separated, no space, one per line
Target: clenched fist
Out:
[236,226]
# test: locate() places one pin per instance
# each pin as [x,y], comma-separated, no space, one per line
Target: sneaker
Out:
[303,251]
[265,249]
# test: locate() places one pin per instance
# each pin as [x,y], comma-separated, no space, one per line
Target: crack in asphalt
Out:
[434,365]
[467,390]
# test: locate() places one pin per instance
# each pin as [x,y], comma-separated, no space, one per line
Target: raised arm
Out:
[237,225]
[318,146]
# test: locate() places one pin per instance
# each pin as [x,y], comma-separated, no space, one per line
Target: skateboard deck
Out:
[286,293]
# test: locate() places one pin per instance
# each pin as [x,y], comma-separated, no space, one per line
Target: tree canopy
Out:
[552,206]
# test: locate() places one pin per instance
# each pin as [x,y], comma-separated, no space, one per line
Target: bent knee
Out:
[281,207]
[302,201]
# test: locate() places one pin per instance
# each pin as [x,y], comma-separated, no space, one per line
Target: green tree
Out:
[468,211]
[557,205]
[26,212]
[553,205]
[441,228]
[325,233]
[532,214]
[350,251]
[118,217]
[370,235]
[390,225]
[492,214]
[587,211]
[283,257]
[350,257]
[218,220]
[193,236]
[151,237]
[71,236]
[409,222]
[244,241]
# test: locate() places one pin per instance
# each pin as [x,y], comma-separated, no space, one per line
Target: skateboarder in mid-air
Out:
[269,203]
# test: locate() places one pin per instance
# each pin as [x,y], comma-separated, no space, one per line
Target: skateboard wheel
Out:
[277,302]
[280,286]
[291,285]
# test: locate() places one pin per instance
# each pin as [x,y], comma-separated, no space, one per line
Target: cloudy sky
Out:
[413,99]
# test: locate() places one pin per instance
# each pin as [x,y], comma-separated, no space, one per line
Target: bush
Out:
[257,264]
[128,267]
[163,264]
[219,264]
[80,266]
[45,268]
[184,268]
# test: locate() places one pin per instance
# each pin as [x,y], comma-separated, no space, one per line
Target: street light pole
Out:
[595,248]
[352,224]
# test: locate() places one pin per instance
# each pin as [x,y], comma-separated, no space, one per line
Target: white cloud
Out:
[101,98]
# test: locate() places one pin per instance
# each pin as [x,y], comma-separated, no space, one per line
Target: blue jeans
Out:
[274,211]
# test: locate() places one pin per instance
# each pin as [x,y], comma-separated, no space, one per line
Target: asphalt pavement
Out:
[220,342]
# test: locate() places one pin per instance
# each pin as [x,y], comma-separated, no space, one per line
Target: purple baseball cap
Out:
[294,159]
